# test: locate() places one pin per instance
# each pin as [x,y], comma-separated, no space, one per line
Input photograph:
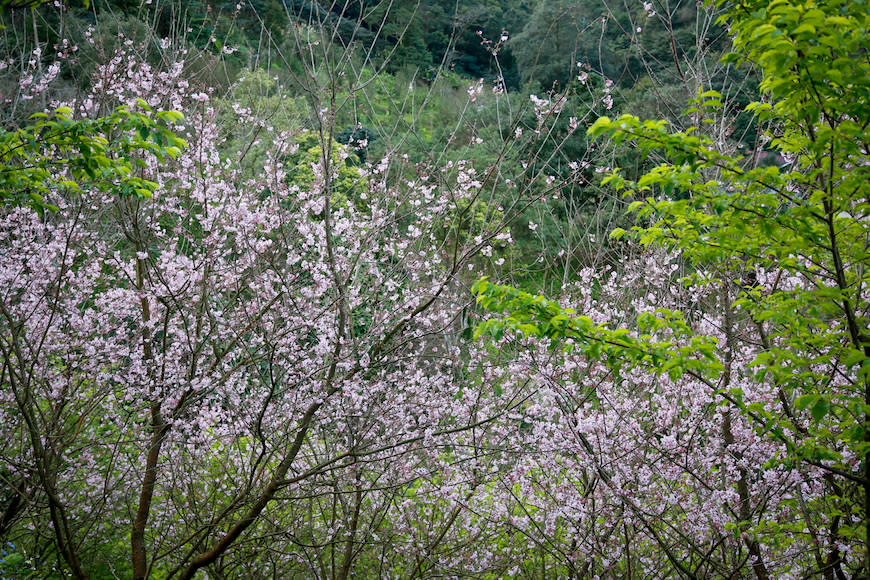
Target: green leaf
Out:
[617,234]
[820,409]
[855,357]
[600,126]
[804,401]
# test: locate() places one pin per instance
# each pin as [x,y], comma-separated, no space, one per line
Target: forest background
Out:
[434,289]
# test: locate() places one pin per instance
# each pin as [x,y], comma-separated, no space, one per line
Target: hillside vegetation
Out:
[467,289]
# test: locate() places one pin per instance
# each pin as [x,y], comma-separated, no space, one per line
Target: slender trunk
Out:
[159,429]
[860,341]
[20,498]
[867,489]
[59,521]
[347,558]
[832,566]
[261,502]
[745,509]
[44,457]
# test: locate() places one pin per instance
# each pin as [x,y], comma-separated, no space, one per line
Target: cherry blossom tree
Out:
[247,374]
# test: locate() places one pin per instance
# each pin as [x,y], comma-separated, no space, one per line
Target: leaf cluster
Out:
[58,153]
[531,315]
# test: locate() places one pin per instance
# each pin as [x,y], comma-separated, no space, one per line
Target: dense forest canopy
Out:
[406,289]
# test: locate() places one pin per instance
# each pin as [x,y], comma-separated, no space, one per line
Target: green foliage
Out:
[59,153]
[348,184]
[15,564]
[256,106]
[556,36]
[274,16]
[536,316]
[806,220]
[620,41]
[357,139]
